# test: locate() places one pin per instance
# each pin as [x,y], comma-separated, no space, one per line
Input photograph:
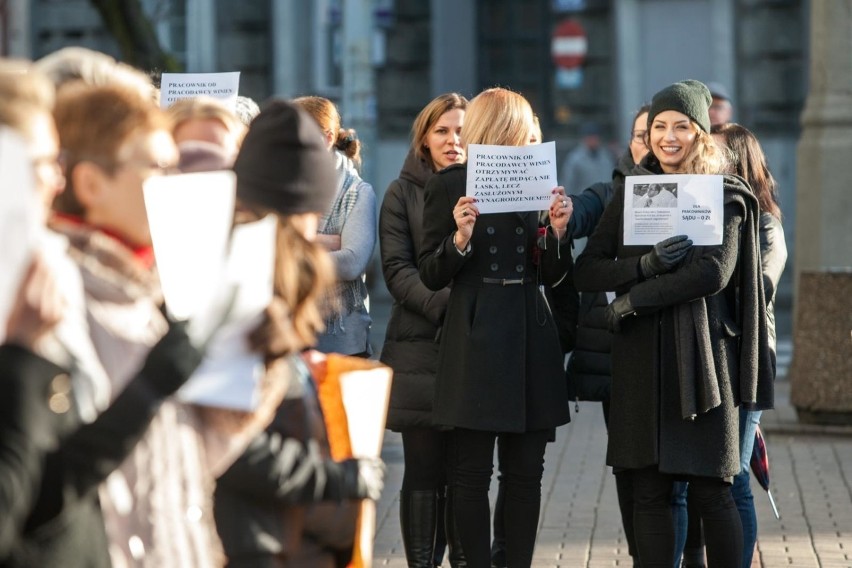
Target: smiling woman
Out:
[680,365]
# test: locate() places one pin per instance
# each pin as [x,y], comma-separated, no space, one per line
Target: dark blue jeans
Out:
[741,490]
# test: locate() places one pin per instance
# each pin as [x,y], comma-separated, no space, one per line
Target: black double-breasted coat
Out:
[646,426]
[500,362]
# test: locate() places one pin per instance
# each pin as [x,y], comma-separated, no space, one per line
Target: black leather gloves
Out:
[616,311]
[665,255]
[364,478]
[172,360]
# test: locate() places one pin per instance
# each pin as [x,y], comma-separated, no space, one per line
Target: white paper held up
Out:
[222,86]
[661,206]
[228,376]
[190,216]
[506,179]
[20,218]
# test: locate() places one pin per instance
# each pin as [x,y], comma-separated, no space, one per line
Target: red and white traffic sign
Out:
[569,44]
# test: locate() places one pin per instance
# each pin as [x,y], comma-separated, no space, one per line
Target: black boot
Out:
[418,515]
[440,532]
[456,553]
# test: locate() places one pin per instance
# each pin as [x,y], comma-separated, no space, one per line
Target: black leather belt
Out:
[507,281]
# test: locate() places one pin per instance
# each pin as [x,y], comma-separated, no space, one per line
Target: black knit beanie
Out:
[283,163]
[689,97]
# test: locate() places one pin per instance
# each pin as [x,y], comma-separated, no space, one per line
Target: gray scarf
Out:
[351,294]
[699,387]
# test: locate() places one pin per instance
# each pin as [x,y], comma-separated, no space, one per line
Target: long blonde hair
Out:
[704,157]
[497,116]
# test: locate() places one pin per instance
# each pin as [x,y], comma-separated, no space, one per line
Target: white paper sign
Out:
[222,86]
[659,207]
[20,218]
[511,178]
[230,373]
[190,217]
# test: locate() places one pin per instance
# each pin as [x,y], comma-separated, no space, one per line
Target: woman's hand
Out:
[37,308]
[561,208]
[465,214]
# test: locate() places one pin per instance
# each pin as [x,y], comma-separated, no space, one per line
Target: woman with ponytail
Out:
[348,232]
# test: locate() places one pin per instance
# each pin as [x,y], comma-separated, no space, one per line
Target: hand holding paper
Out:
[665,255]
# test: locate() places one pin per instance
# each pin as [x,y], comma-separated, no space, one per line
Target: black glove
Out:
[364,478]
[616,311]
[665,255]
[172,360]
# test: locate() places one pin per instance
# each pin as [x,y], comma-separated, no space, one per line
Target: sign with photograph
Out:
[659,207]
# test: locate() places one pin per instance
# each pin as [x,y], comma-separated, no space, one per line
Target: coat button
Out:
[490,230]
[519,230]
[495,267]
[521,249]
[519,268]
[492,249]
[59,400]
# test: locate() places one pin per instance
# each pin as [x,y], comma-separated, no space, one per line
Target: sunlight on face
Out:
[672,137]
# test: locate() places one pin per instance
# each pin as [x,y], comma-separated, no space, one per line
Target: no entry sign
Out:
[569,44]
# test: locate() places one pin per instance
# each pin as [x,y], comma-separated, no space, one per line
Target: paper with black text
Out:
[222,86]
[511,178]
[659,207]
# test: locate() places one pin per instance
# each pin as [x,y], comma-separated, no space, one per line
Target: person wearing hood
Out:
[689,340]
[410,346]
[348,230]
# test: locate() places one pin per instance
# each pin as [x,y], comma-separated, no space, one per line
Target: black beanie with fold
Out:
[284,164]
[688,97]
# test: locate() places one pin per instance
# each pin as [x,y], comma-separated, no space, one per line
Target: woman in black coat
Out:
[499,362]
[690,340]
[411,341]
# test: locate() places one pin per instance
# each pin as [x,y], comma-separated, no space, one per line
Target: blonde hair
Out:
[71,64]
[206,108]
[304,277]
[498,116]
[427,118]
[325,113]
[24,92]
[705,156]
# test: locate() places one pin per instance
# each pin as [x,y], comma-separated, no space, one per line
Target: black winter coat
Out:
[500,362]
[411,341]
[646,427]
[65,526]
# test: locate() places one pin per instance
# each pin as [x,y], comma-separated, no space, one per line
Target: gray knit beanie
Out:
[689,97]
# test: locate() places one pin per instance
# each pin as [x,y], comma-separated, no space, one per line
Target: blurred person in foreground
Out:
[680,363]
[499,363]
[348,231]
[410,346]
[284,501]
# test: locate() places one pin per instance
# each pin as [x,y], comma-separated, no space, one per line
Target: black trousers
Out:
[654,526]
[521,468]
[425,454]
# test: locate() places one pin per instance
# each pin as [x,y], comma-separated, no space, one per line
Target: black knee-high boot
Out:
[456,553]
[418,515]
[440,530]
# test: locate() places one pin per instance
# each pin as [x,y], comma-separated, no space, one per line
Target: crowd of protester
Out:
[101,464]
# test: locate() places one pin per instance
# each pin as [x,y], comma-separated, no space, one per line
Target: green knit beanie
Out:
[688,97]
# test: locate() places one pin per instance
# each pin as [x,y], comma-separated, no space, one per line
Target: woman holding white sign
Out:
[499,361]
[689,341]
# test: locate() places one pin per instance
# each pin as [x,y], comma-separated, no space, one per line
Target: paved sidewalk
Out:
[811,480]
